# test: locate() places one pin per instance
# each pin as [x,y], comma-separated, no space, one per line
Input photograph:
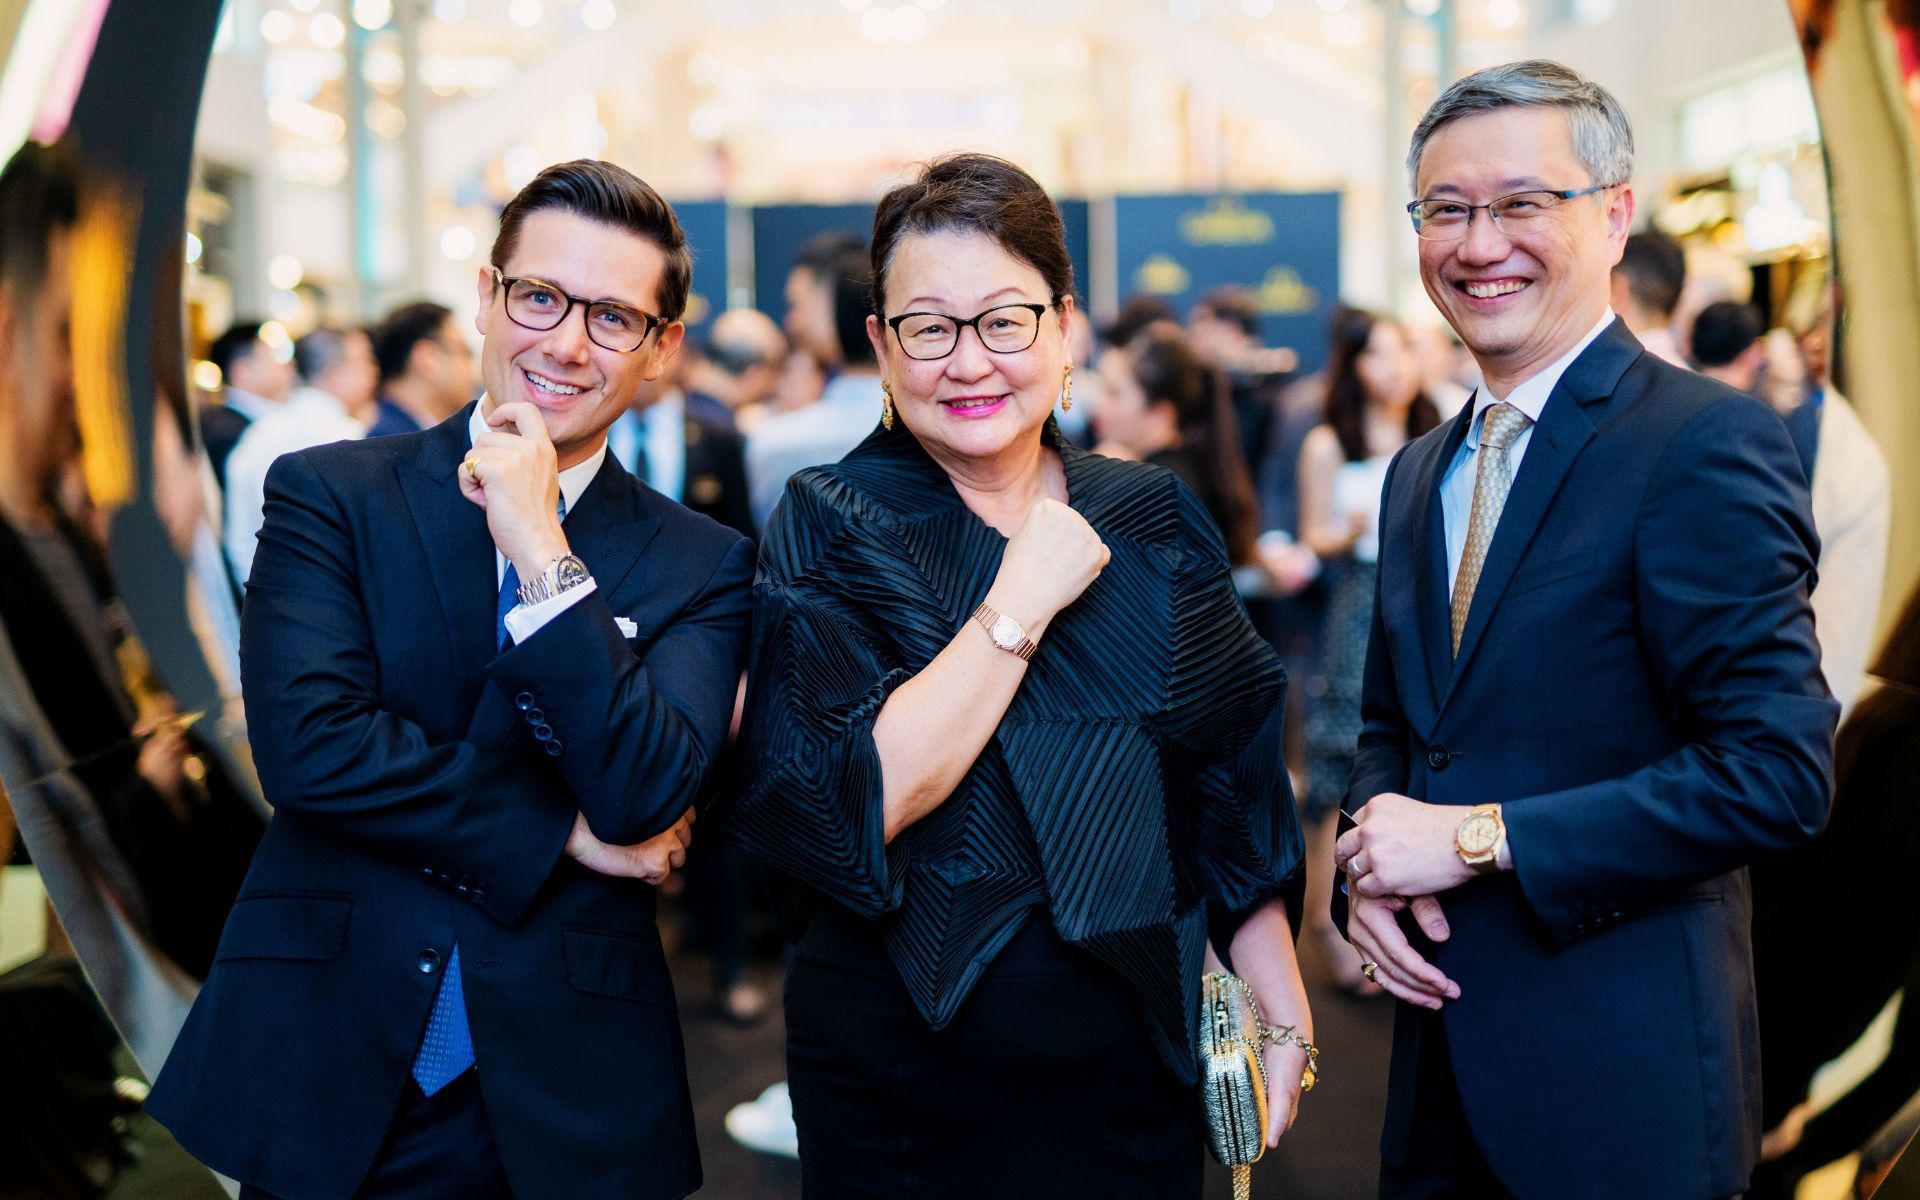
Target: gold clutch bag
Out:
[1233,1076]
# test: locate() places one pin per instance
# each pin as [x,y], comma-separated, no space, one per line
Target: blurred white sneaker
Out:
[766,1124]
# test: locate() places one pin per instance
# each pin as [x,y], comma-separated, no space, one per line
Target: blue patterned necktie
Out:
[446,1049]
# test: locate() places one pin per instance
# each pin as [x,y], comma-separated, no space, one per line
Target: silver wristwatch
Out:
[562,574]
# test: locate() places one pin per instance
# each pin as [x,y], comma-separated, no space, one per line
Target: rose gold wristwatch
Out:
[1007,633]
[1477,841]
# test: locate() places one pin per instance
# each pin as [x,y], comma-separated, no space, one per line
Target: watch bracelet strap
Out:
[546,585]
[986,615]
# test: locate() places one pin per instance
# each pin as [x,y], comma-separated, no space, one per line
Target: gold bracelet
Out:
[1284,1035]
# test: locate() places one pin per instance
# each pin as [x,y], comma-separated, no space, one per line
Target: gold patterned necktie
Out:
[1492,478]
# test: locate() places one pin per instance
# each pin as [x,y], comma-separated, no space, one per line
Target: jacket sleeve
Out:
[1724,554]
[1227,710]
[642,734]
[330,757]
[809,800]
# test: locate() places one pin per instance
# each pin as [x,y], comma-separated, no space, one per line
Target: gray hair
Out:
[1602,139]
[320,351]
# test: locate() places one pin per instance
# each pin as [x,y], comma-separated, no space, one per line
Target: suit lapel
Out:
[608,528]
[459,549]
[1430,596]
[1564,430]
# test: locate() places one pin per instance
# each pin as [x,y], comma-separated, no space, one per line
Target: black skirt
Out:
[1045,1085]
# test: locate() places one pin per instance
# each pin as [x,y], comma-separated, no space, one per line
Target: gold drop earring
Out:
[886,405]
[1066,391]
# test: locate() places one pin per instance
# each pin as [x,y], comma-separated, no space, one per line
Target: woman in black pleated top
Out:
[1017,861]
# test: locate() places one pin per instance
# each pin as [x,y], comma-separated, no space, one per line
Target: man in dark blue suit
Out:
[1592,696]
[487,674]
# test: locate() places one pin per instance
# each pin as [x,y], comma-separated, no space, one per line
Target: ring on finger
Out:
[1368,969]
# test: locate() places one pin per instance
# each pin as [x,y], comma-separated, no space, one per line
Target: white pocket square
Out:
[627,628]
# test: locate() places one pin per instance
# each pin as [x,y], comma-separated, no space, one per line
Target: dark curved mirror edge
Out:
[109,779]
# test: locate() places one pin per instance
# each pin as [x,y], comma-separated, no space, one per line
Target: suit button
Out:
[536,717]
[543,732]
[553,747]
[428,962]
[461,888]
[1439,757]
[426,873]
[478,895]
[523,701]
[445,877]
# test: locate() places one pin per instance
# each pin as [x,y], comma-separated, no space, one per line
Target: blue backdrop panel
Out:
[779,230]
[706,224]
[1073,214]
[1284,247]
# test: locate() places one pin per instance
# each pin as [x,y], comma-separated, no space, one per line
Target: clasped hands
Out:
[1400,856]
[650,861]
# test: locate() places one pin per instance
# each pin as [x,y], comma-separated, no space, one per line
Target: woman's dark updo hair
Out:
[974,193]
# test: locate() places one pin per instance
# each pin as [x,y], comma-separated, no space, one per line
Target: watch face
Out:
[1007,633]
[570,572]
[1478,834]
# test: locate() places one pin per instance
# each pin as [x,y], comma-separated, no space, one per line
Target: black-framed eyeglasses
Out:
[1445,220]
[1003,329]
[537,304]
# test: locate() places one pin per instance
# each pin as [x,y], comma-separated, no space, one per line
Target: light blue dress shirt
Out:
[1530,397]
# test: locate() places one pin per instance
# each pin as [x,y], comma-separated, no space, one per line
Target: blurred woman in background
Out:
[1375,405]
[1161,403]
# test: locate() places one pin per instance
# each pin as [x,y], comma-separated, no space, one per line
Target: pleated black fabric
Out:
[1135,787]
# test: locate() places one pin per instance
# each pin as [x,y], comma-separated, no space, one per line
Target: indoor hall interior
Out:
[284,215]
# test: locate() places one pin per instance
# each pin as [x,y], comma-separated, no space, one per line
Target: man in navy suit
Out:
[487,674]
[1592,696]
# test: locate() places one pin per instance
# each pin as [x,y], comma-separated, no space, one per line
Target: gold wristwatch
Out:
[1007,633]
[1477,841]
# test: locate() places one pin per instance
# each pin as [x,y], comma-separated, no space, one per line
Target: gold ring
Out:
[1368,968]
[468,467]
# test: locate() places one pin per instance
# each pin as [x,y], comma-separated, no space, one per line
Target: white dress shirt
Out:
[308,417]
[247,404]
[820,433]
[1530,397]
[1853,514]
[524,620]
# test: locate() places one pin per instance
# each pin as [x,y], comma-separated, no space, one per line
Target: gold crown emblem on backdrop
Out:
[1284,292]
[1226,222]
[1162,276]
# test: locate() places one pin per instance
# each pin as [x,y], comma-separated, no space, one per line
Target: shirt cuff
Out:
[525,620]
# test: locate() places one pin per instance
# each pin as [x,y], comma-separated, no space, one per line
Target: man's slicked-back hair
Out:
[978,194]
[613,196]
[1602,138]
[39,195]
